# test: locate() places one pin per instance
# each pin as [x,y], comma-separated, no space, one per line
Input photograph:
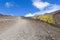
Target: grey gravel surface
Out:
[18,28]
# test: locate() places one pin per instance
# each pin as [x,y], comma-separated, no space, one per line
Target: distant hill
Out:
[1,14]
[52,13]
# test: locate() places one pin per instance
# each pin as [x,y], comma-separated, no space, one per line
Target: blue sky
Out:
[28,7]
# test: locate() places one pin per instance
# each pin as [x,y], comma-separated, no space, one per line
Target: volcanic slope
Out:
[21,28]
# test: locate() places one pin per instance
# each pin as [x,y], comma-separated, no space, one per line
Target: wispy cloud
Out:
[44,7]
[8,4]
[40,5]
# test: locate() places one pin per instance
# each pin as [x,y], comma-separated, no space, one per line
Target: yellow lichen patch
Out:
[45,18]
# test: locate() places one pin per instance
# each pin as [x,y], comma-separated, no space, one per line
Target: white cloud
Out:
[8,4]
[29,15]
[44,7]
[54,7]
[40,4]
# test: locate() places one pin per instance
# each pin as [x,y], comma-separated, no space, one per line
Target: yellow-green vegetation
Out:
[45,18]
[36,16]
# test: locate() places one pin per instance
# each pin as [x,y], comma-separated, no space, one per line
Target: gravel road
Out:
[25,29]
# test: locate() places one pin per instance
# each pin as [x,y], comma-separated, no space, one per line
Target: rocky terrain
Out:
[56,16]
[26,28]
